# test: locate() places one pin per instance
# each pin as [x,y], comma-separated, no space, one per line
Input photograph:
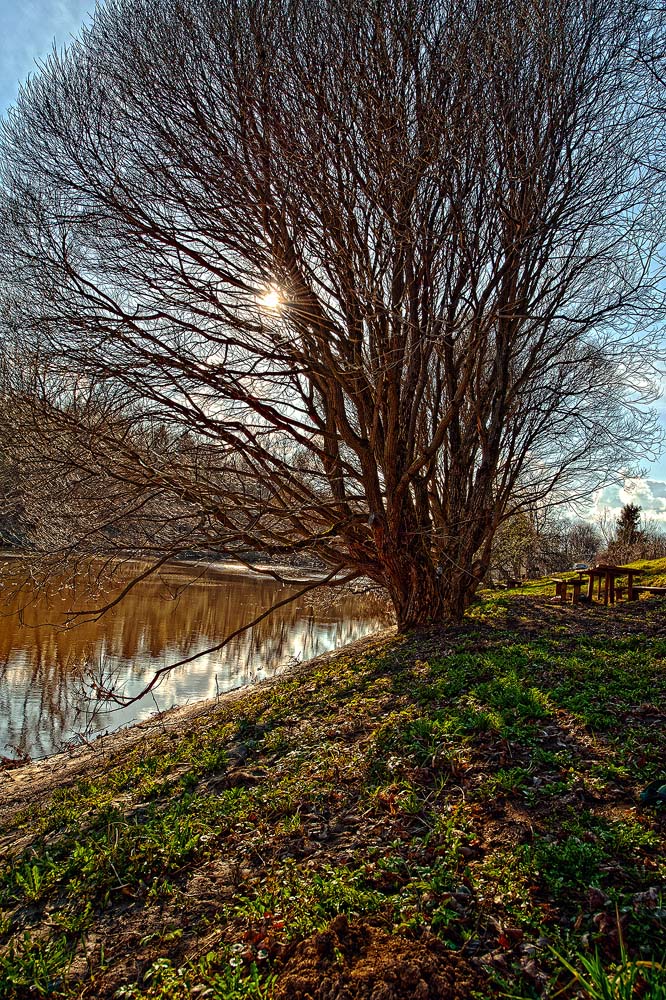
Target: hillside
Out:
[448,815]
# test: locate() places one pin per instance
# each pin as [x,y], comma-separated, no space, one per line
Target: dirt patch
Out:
[355,961]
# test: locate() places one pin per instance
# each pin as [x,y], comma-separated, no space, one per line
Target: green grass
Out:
[479,784]
[211,977]
[626,979]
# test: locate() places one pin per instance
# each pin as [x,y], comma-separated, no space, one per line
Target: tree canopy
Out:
[356,281]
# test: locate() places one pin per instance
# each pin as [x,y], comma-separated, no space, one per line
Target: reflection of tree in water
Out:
[35,698]
[44,669]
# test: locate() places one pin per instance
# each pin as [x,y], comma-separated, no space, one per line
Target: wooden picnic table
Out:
[607,574]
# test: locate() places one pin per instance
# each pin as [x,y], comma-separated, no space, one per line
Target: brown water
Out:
[46,671]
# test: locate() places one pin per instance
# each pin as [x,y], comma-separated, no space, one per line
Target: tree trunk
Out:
[422,594]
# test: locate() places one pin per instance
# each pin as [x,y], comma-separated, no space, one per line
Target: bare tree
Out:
[542,541]
[583,542]
[605,522]
[377,276]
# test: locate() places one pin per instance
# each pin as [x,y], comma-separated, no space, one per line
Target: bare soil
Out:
[356,961]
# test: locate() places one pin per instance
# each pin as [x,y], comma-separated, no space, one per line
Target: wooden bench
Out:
[561,589]
[643,588]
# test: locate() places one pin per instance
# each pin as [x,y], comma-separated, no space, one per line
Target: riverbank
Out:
[25,786]
[447,815]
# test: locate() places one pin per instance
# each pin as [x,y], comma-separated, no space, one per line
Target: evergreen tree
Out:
[628,525]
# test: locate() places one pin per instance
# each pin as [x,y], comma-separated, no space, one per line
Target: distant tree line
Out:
[534,544]
[633,537]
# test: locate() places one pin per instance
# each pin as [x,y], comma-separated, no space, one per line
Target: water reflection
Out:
[43,669]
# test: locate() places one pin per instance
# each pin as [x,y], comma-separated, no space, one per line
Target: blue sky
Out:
[27,32]
[28,29]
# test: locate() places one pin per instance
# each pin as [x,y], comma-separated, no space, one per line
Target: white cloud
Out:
[648,494]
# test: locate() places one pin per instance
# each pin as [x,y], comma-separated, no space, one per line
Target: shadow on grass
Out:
[478,783]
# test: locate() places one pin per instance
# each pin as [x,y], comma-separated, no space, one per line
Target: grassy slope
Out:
[653,574]
[476,785]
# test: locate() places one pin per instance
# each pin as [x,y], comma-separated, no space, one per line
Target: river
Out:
[47,672]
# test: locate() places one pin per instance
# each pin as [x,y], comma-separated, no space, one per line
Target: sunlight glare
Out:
[271,300]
